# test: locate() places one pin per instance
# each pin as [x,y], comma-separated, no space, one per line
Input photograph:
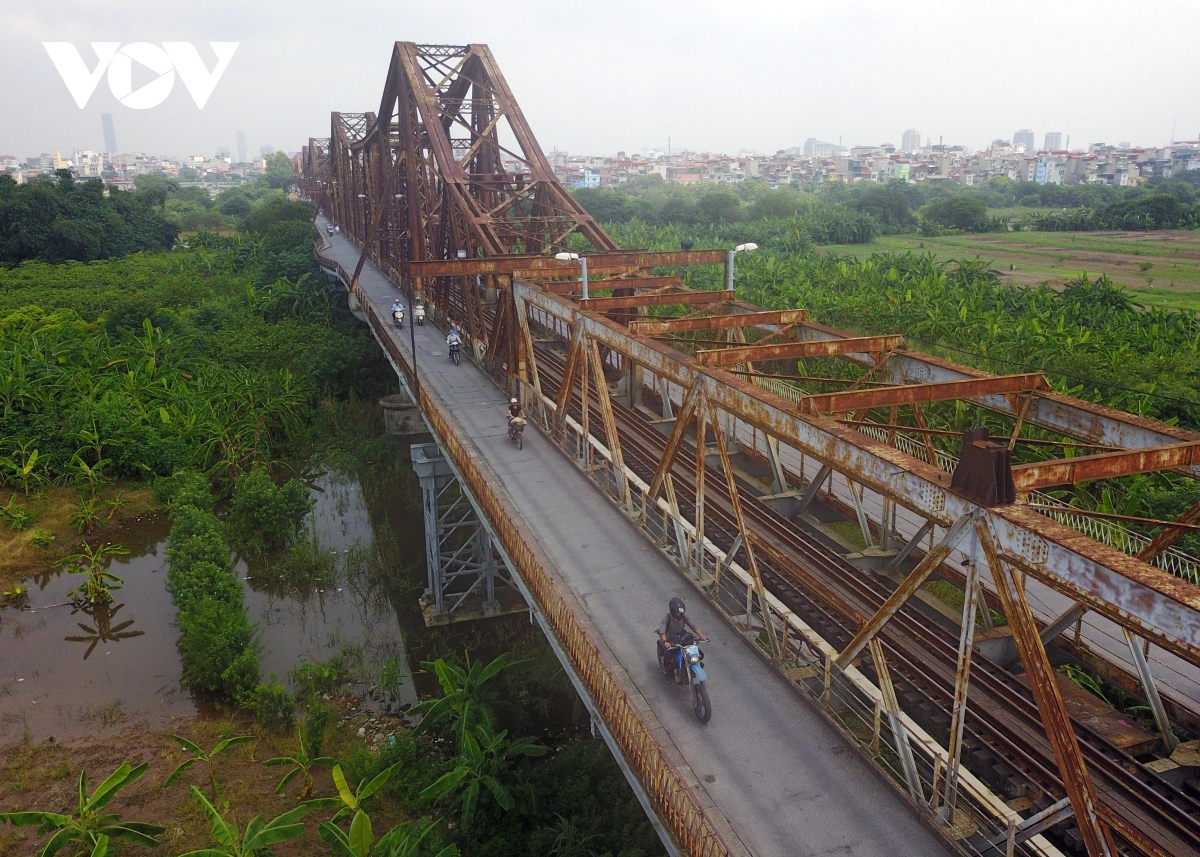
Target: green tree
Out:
[957,212]
[280,172]
[719,206]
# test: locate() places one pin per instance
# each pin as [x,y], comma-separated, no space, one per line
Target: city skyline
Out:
[639,74]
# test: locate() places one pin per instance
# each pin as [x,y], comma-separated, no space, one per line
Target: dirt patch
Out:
[49,536]
[45,776]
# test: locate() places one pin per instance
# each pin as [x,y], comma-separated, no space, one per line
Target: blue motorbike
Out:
[683,663]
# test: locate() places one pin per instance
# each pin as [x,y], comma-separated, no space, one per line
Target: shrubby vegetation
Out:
[57,219]
[210,357]
[654,202]
[216,645]
[1155,211]
[835,212]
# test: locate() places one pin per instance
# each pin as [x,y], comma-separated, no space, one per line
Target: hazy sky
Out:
[597,77]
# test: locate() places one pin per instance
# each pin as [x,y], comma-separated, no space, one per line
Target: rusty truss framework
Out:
[446,190]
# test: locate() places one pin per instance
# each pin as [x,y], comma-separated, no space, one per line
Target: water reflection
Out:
[103,631]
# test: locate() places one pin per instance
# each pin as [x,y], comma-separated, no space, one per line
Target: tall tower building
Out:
[110,135]
[241,141]
[910,141]
[1053,140]
[1023,139]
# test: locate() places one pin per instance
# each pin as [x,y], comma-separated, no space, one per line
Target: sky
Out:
[597,77]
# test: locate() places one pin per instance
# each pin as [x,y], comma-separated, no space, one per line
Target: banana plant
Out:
[199,755]
[482,763]
[23,466]
[300,764]
[88,828]
[258,837]
[358,841]
[94,562]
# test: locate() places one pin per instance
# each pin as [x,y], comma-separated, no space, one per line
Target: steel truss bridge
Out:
[684,407]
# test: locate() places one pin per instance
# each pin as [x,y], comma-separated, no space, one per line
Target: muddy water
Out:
[66,671]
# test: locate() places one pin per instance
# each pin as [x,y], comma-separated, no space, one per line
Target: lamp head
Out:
[745,248]
[566,257]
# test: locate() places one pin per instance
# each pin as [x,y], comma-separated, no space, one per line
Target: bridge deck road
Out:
[783,777]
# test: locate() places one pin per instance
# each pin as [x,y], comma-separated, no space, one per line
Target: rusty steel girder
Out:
[688,298]
[943,391]
[428,190]
[796,350]
[1084,468]
[659,327]
[1134,594]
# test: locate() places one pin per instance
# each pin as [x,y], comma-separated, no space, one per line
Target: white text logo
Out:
[118,60]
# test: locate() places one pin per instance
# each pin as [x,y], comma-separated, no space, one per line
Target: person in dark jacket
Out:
[675,627]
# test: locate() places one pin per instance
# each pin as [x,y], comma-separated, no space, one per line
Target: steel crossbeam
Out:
[794,350]
[658,326]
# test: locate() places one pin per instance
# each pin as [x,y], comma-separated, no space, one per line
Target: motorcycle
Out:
[419,313]
[683,663]
[398,317]
[454,347]
[516,428]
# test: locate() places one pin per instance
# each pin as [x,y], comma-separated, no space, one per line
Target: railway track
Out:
[1004,742]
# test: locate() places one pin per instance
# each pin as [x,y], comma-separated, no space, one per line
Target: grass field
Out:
[1159,268]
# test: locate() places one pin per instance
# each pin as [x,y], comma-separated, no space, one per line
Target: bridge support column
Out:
[463,567]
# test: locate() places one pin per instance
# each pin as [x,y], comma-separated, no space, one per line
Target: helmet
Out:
[677,607]
[512,401]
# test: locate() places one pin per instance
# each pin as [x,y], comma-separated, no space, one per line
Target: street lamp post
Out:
[582,260]
[741,248]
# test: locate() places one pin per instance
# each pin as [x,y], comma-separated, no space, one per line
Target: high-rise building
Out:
[1053,141]
[267,150]
[241,141]
[110,135]
[911,141]
[1023,139]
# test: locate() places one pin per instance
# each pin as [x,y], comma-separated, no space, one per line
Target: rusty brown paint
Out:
[790,350]
[691,298]
[1085,468]
[908,394]
[659,327]
[1053,711]
[1147,600]
[1168,537]
[900,596]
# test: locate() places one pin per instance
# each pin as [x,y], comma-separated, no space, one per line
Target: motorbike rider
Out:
[397,304]
[674,628]
[453,339]
[514,410]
